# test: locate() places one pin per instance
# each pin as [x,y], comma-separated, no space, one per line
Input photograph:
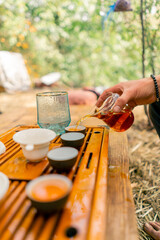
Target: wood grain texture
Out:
[78,208]
[121,220]
[18,168]
[100,205]
[20,109]
[98,220]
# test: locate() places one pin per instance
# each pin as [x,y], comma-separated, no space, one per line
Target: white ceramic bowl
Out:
[4,184]
[34,142]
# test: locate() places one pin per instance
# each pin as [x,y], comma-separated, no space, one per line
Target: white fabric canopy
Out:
[13,72]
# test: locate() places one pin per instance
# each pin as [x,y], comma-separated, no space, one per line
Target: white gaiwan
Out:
[4,184]
[34,142]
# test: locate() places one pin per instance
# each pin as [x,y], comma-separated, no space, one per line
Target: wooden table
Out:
[100,205]
[104,209]
[20,109]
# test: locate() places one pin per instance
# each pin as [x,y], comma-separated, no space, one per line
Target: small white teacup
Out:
[34,142]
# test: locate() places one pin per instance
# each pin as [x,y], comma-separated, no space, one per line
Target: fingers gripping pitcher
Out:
[119,122]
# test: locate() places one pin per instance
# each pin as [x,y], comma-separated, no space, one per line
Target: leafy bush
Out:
[67,36]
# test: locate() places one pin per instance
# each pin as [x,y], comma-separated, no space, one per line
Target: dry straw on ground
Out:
[144,150]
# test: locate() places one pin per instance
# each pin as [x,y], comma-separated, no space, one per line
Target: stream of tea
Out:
[119,122]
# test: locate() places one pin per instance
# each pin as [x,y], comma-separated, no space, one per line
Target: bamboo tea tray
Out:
[100,205]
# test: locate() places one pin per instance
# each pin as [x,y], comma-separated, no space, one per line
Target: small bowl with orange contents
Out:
[49,193]
[74,128]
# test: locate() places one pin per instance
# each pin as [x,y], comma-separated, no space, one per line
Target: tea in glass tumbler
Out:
[53,111]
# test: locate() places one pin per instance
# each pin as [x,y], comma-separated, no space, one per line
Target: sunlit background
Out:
[67,37]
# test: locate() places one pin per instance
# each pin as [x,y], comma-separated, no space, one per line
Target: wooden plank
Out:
[25,225]
[121,220]
[97,224]
[15,223]
[48,228]
[78,208]
[10,143]
[8,203]
[18,168]
[12,211]
[12,187]
[25,116]
[20,108]
[35,229]
[92,198]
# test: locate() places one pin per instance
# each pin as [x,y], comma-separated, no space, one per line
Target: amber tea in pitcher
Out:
[119,122]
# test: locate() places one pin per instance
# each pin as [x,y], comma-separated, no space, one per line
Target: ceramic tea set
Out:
[35,146]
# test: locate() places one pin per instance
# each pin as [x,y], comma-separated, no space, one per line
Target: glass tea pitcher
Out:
[119,122]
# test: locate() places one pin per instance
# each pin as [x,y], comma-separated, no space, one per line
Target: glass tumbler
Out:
[53,111]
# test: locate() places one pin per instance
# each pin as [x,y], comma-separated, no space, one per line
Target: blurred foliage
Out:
[67,36]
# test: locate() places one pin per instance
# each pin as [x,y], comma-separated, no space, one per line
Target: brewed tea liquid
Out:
[49,190]
[81,119]
[119,122]
[74,129]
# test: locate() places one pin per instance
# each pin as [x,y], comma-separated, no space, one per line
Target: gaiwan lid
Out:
[34,136]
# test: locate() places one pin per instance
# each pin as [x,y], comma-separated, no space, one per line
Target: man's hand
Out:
[133,93]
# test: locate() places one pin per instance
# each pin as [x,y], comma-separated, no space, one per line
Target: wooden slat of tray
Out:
[121,220]
[25,225]
[48,228]
[18,218]
[97,224]
[77,211]
[9,153]
[34,230]
[90,182]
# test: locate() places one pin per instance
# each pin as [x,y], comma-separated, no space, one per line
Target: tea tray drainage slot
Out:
[89,159]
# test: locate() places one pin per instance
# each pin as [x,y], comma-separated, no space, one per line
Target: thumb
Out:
[120,103]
